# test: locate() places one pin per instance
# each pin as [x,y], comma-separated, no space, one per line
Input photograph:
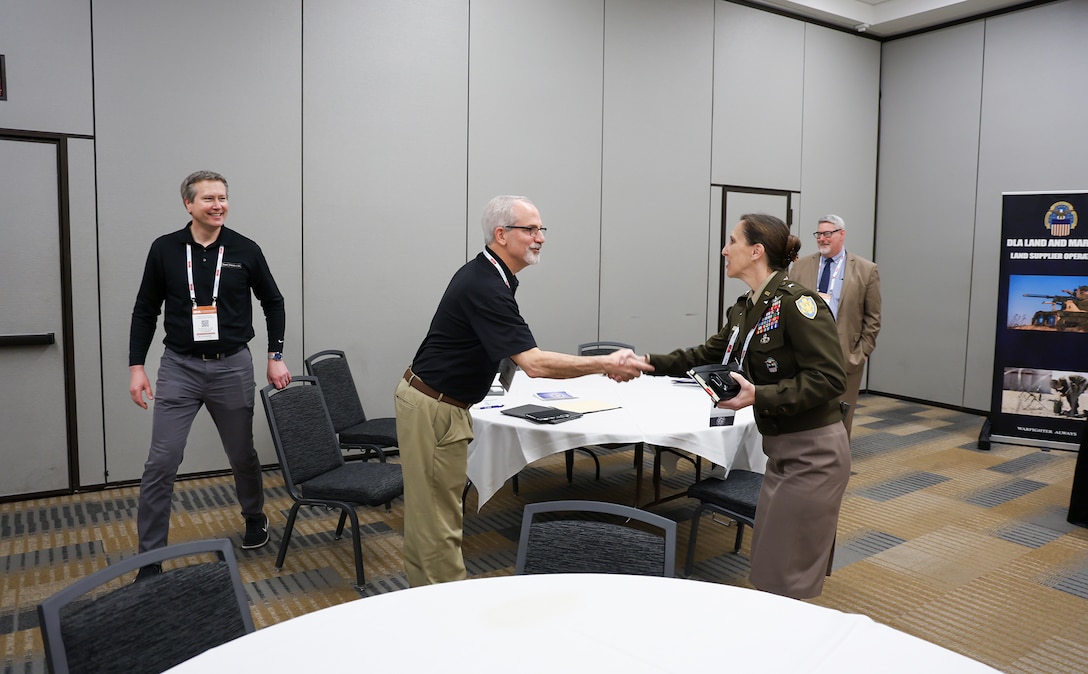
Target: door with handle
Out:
[34,438]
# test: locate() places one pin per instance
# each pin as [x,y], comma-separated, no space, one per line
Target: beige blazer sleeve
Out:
[859,311]
[804,270]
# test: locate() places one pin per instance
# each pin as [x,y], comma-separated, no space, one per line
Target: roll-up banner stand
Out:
[1040,380]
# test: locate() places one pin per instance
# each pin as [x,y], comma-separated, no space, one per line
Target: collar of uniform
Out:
[762,293]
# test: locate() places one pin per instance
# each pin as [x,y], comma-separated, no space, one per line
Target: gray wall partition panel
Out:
[759,64]
[930,102]
[839,143]
[655,210]
[47,49]
[535,129]
[385,165]
[181,87]
[86,327]
[1032,139]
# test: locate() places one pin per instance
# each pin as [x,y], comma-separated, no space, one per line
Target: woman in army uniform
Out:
[784,337]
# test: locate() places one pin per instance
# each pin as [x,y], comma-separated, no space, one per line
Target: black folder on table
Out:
[541,414]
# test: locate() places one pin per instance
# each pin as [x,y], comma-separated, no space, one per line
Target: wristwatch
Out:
[275,356]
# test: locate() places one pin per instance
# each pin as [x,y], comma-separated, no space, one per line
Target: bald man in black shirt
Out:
[477,324]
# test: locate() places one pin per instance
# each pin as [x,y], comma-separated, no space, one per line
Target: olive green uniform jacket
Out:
[794,358]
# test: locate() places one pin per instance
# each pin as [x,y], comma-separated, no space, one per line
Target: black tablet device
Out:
[541,414]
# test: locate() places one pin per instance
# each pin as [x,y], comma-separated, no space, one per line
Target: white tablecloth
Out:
[579,623]
[653,410]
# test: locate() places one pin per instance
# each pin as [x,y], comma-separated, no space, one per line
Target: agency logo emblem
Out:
[1061,219]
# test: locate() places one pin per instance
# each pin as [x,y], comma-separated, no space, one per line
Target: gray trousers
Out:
[184,385]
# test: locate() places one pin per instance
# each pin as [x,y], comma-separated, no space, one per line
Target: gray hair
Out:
[833,219]
[188,186]
[500,213]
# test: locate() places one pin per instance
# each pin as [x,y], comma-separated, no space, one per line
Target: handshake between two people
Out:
[625,365]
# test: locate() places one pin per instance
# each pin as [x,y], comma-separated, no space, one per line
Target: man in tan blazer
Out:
[850,285]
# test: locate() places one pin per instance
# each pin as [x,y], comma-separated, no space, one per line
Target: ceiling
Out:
[888,18]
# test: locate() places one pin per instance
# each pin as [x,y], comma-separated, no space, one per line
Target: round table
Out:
[579,623]
[651,410]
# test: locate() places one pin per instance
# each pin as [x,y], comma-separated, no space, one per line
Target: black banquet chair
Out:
[735,496]
[354,429]
[601,348]
[152,625]
[595,537]
[314,470]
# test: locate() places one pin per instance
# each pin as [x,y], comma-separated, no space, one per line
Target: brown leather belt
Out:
[417,383]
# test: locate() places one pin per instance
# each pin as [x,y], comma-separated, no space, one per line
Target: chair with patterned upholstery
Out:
[595,537]
[353,428]
[601,348]
[735,496]
[151,625]
[314,470]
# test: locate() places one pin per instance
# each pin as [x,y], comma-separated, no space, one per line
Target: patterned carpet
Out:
[964,548]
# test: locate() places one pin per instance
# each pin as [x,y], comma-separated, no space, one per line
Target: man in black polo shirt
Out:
[203,274]
[477,324]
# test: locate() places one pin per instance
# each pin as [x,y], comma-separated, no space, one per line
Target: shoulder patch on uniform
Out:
[807,306]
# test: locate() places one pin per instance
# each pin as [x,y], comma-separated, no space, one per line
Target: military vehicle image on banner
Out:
[1061,307]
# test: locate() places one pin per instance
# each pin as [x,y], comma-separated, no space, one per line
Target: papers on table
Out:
[553,395]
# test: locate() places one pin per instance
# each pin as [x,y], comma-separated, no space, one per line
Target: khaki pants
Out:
[433,440]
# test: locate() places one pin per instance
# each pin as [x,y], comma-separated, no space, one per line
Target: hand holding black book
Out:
[716,381]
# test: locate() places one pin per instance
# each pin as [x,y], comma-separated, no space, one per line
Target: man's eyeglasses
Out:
[826,235]
[533,231]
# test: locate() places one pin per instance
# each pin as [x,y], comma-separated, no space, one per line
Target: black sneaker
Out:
[256,532]
[148,571]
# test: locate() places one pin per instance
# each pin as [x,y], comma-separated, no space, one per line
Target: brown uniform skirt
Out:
[793,541]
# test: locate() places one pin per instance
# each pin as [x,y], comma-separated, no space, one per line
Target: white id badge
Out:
[205,324]
[826,297]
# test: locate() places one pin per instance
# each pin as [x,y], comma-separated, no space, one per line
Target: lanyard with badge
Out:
[732,341]
[498,266]
[205,319]
[835,271]
[768,319]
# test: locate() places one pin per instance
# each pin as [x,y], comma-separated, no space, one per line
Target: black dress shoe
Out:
[256,532]
[148,571]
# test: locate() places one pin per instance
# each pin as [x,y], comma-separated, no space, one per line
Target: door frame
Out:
[60,142]
[726,189]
